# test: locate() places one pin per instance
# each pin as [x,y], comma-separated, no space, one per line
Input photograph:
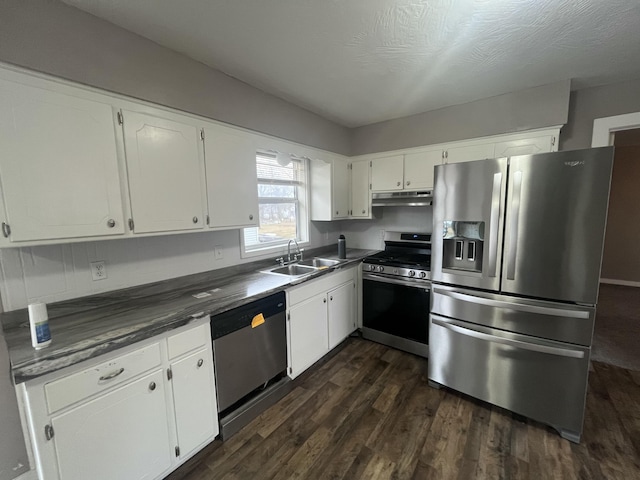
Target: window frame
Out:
[302,211]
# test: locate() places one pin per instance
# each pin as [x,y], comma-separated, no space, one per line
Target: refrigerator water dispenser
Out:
[463,244]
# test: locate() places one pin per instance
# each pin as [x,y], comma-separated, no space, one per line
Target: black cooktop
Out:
[421,261]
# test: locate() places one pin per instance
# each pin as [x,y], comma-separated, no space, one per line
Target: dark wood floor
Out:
[368,413]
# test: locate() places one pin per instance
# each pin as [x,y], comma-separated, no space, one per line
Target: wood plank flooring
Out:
[368,413]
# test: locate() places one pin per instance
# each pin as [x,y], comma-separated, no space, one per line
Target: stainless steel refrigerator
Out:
[516,254]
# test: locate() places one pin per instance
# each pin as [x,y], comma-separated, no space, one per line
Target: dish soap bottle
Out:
[342,247]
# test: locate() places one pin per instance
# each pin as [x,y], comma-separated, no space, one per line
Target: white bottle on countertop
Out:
[39,325]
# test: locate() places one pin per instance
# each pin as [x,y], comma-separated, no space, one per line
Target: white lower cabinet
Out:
[341,313]
[122,434]
[195,407]
[308,334]
[134,414]
[320,315]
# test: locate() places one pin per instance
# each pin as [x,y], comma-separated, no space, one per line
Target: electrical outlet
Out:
[98,270]
[217,252]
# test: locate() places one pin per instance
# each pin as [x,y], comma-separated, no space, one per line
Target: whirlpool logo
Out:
[575,163]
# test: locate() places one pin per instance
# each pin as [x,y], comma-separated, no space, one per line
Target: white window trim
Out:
[305,215]
[605,128]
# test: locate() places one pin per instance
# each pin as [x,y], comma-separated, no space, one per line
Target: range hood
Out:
[417,198]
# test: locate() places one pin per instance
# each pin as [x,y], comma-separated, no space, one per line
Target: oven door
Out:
[395,312]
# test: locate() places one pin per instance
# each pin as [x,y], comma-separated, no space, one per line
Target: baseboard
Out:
[30,475]
[626,283]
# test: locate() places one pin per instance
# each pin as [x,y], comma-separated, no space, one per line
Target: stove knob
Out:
[372,268]
[412,273]
[381,269]
[423,274]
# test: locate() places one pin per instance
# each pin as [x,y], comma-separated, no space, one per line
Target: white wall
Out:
[54,273]
[368,233]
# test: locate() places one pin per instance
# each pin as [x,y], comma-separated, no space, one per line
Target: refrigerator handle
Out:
[512,305]
[535,347]
[493,225]
[513,231]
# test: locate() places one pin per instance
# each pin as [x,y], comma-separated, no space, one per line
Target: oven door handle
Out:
[510,342]
[395,281]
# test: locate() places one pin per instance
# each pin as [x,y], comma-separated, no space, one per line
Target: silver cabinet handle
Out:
[200,362]
[398,184]
[331,298]
[513,231]
[337,212]
[324,300]
[6,230]
[195,219]
[534,347]
[152,386]
[495,216]
[519,307]
[408,183]
[251,216]
[111,375]
[111,223]
[363,211]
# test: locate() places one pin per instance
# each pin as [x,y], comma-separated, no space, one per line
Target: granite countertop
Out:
[86,327]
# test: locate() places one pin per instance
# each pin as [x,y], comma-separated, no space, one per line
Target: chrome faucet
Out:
[297,256]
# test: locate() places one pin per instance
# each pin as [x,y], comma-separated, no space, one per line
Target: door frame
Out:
[605,128]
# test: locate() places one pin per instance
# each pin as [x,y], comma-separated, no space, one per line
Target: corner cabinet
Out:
[166,173]
[321,314]
[58,167]
[232,192]
[360,206]
[329,184]
[137,413]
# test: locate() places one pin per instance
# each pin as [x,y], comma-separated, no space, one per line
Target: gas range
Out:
[405,255]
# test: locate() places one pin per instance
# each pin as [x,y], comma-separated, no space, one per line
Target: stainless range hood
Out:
[417,198]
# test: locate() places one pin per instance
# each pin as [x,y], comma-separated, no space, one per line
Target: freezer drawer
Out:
[550,320]
[540,379]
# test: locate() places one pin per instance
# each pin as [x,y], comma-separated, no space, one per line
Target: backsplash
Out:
[368,233]
[53,273]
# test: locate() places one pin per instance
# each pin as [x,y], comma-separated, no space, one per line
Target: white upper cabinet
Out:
[526,146]
[58,165]
[232,188]
[360,196]
[387,173]
[418,169]
[329,183]
[466,153]
[166,173]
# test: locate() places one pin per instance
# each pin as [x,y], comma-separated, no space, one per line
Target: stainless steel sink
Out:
[319,262]
[293,270]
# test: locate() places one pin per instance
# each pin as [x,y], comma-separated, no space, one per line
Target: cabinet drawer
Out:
[188,340]
[73,388]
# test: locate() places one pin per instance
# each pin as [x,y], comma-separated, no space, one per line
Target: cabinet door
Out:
[123,434]
[470,152]
[525,146]
[342,319]
[308,334]
[387,173]
[360,196]
[418,169]
[232,187]
[340,188]
[166,173]
[194,400]
[58,166]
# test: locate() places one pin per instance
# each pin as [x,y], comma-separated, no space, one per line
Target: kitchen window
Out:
[282,202]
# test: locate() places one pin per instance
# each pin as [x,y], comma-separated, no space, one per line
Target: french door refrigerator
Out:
[515,267]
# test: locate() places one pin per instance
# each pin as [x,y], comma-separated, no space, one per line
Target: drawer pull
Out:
[111,375]
[200,363]
[152,386]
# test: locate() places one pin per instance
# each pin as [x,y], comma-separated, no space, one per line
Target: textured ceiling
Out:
[363,61]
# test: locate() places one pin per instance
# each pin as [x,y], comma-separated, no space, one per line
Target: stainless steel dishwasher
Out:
[250,357]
